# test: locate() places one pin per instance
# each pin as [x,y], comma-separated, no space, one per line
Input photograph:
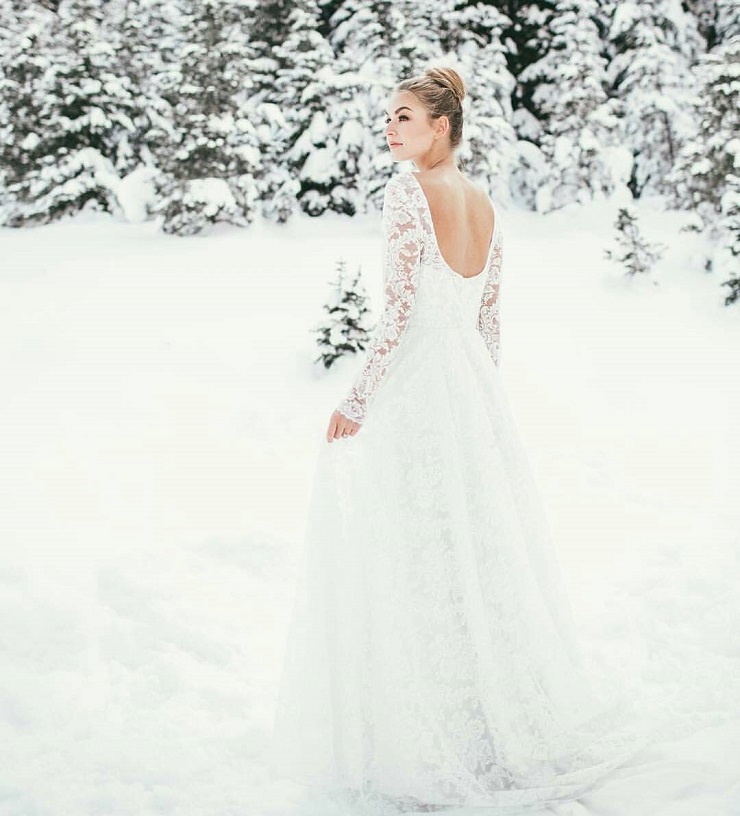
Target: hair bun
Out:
[448,78]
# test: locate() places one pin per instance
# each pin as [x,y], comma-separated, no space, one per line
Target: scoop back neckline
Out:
[436,242]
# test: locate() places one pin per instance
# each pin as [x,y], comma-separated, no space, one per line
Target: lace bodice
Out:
[421,291]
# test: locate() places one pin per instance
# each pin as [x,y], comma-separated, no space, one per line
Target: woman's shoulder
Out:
[430,189]
[404,181]
[402,191]
[439,187]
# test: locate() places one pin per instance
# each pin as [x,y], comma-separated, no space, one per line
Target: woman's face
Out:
[409,131]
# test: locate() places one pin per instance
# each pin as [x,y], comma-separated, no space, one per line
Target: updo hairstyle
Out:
[441,91]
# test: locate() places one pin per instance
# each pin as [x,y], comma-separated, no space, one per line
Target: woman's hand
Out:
[340,425]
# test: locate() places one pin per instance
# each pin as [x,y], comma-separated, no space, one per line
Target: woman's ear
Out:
[441,127]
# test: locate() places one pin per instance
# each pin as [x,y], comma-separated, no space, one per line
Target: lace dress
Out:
[430,656]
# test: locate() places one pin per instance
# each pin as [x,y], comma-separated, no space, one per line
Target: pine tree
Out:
[303,92]
[209,164]
[420,43]
[705,12]
[527,37]
[69,113]
[653,43]
[353,158]
[579,120]
[705,177]
[302,104]
[155,72]
[633,252]
[728,20]
[731,226]
[489,146]
[22,62]
[366,36]
[699,177]
[345,330]
[267,28]
[277,188]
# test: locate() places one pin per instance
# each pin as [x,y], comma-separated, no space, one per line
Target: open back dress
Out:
[431,659]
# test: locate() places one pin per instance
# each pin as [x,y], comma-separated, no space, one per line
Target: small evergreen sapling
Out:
[633,252]
[345,330]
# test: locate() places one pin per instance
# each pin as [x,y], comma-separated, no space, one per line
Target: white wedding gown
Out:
[431,656]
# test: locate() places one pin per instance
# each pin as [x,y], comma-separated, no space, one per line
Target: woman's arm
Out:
[401,259]
[489,324]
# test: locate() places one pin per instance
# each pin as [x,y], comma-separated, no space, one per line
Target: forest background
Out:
[228,110]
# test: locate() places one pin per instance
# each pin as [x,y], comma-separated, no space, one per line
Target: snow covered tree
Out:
[526,38]
[267,28]
[155,72]
[633,252]
[304,94]
[728,20]
[654,43]
[277,188]
[368,33]
[69,113]
[471,36]
[579,120]
[366,36]
[353,156]
[21,64]
[208,163]
[699,177]
[705,12]
[717,20]
[420,40]
[731,225]
[295,87]
[345,330]
[705,176]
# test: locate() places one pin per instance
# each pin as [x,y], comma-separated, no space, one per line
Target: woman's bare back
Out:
[462,217]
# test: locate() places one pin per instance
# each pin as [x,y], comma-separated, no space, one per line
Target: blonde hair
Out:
[441,91]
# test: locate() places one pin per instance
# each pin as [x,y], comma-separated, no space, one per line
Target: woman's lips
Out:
[394,144]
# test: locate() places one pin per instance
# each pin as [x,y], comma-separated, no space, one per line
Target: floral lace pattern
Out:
[489,324]
[401,263]
[431,658]
[409,243]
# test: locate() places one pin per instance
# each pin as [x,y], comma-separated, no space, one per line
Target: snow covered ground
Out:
[159,416]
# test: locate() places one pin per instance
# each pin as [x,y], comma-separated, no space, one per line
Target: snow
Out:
[30,142]
[319,164]
[351,134]
[135,193]
[215,192]
[159,417]
[221,124]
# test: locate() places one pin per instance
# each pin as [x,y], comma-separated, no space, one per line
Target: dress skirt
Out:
[431,655]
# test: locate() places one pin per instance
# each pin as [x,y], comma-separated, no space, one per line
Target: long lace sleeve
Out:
[401,260]
[489,324]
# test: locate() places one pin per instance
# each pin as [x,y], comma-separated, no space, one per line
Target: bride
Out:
[431,660]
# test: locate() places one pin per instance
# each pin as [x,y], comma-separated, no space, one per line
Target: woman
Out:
[431,660]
